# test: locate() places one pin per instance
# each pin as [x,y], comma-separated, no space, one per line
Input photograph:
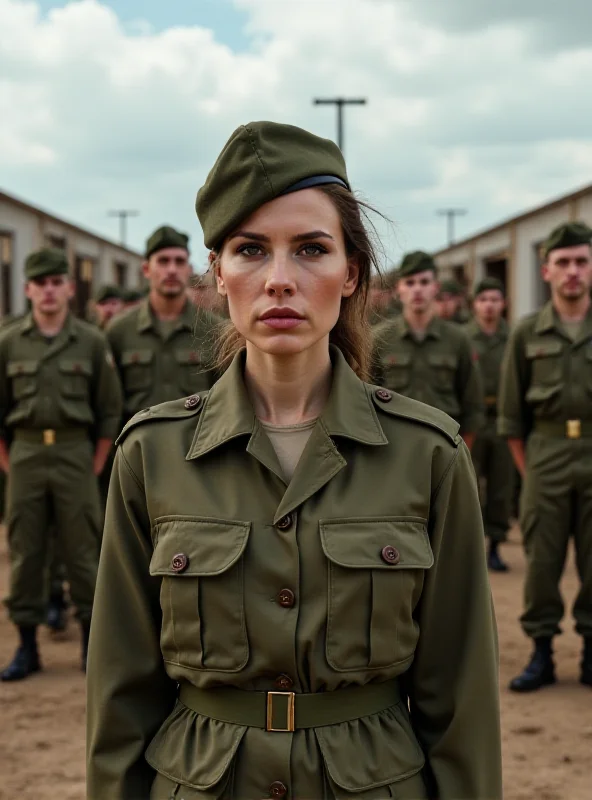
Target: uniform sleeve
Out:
[5,394]
[129,694]
[514,418]
[107,395]
[470,389]
[453,684]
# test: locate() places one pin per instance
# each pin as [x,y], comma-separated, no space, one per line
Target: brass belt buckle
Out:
[573,428]
[290,711]
[49,437]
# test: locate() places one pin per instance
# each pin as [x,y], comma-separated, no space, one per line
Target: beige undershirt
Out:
[289,442]
[572,329]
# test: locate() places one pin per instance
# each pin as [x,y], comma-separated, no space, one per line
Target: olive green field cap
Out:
[488,285]
[108,292]
[415,262]
[450,286]
[47,261]
[570,234]
[166,237]
[261,161]
[132,295]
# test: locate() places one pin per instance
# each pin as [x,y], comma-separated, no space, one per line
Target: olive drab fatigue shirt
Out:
[156,368]
[441,370]
[490,349]
[547,377]
[216,573]
[70,382]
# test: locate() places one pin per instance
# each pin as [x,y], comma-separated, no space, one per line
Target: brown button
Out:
[278,789]
[390,554]
[77,368]
[284,683]
[180,562]
[193,401]
[135,358]
[383,395]
[286,598]
[284,523]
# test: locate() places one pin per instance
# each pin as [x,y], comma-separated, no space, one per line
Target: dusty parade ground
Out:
[547,736]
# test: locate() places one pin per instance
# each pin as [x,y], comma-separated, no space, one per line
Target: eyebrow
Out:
[300,237]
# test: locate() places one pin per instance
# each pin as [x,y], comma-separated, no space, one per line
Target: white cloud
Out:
[470,111]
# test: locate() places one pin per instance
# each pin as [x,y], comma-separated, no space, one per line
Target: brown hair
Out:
[351,333]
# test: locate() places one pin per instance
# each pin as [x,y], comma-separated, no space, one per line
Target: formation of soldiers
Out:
[67,386]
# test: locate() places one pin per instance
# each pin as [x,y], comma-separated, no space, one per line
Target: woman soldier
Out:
[292,599]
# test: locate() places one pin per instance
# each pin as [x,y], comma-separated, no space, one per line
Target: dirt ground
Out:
[547,736]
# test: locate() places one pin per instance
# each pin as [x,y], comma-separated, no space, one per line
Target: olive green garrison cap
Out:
[108,292]
[450,286]
[570,234]
[261,161]
[489,284]
[166,237]
[415,262]
[47,261]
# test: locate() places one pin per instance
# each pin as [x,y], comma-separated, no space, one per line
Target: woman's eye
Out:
[249,249]
[313,250]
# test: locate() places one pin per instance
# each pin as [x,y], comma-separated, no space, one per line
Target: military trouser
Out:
[556,502]
[494,466]
[53,483]
[57,568]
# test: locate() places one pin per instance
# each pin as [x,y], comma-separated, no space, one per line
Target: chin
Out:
[282,344]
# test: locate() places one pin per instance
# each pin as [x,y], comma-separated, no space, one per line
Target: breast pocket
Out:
[442,371]
[24,376]
[136,366]
[201,562]
[396,369]
[546,362]
[75,375]
[190,367]
[376,569]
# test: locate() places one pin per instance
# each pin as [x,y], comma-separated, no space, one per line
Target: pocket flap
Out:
[210,546]
[538,393]
[187,357]
[131,357]
[75,366]
[442,360]
[16,368]
[359,543]
[397,360]
[543,349]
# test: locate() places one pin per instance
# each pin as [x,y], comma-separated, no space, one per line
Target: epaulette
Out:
[173,409]
[404,407]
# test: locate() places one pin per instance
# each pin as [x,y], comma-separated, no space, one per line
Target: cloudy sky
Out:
[125,104]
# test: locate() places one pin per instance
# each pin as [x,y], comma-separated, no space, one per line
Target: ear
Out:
[220,285]
[145,269]
[545,271]
[71,289]
[352,278]
[28,290]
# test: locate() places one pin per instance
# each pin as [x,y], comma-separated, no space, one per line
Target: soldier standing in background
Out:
[59,391]
[546,415]
[423,357]
[449,302]
[488,332]
[162,347]
[108,304]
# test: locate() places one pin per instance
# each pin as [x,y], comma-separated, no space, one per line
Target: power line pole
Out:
[340,102]
[450,214]
[123,215]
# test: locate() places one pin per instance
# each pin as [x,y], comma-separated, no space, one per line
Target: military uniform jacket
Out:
[68,383]
[440,370]
[546,376]
[154,369]
[490,349]
[205,484]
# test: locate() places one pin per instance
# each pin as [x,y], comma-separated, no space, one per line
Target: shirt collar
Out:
[147,321]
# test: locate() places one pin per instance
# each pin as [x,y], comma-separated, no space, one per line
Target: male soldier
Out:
[161,348]
[546,415]
[131,298]
[59,392]
[488,332]
[423,357]
[108,304]
[449,302]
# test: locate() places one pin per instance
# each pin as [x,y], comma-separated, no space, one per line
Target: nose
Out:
[280,277]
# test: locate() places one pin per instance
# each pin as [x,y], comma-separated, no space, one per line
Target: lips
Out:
[281,312]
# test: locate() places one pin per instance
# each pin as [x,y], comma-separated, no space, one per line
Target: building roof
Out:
[566,198]
[9,198]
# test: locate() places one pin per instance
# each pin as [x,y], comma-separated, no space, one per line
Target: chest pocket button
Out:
[179,563]
[390,555]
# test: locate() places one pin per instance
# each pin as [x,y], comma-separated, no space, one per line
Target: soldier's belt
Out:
[288,711]
[50,436]
[570,429]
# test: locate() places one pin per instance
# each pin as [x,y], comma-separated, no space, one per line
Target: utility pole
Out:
[340,102]
[450,214]
[123,215]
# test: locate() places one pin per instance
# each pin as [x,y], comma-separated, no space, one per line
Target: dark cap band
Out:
[314,180]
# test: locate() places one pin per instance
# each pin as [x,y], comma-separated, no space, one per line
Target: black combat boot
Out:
[85,628]
[56,619]
[26,659]
[586,675]
[540,670]
[494,560]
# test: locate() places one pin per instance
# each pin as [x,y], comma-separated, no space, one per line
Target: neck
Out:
[167,308]
[572,310]
[286,390]
[419,321]
[50,324]
[487,326]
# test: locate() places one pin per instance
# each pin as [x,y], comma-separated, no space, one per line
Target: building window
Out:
[83,275]
[121,270]
[57,242]
[542,291]
[6,255]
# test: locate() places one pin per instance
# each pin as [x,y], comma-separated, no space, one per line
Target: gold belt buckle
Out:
[290,711]
[573,428]
[49,436]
